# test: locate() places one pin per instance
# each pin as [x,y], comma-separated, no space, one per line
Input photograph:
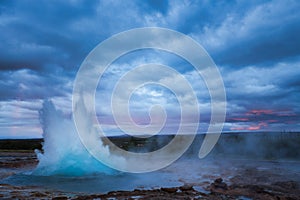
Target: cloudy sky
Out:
[255,45]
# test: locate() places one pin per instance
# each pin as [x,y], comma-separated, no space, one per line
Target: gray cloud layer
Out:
[255,44]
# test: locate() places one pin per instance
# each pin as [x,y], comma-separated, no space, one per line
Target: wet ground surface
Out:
[188,178]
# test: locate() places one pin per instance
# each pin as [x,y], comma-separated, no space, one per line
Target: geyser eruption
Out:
[63,153]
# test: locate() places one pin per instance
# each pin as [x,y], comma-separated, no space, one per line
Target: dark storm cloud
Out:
[37,34]
[262,34]
[268,46]
[196,16]
[255,44]
[260,97]
[40,34]
[26,84]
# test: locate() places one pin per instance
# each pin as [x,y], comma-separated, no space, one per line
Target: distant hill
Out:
[20,144]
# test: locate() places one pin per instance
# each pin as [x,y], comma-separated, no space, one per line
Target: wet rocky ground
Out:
[248,182]
[242,172]
[216,190]
[12,162]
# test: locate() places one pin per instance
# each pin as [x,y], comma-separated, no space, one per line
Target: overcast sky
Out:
[255,44]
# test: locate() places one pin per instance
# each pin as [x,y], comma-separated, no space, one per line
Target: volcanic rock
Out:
[218,185]
[186,187]
[169,190]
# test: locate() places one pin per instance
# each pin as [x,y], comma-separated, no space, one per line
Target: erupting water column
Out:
[63,153]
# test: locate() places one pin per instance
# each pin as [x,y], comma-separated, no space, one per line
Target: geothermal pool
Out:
[184,171]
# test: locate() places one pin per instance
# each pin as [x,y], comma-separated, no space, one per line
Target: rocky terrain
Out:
[216,190]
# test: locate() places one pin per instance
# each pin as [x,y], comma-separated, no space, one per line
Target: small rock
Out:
[38,194]
[170,190]
[287,184]
[218,184]
[186,188]
[219,180]
[60,198]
